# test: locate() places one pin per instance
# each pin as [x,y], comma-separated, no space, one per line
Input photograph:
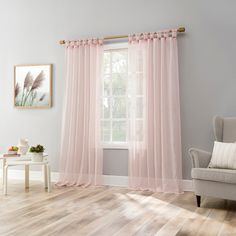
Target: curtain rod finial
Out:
[62,41]
[181,29]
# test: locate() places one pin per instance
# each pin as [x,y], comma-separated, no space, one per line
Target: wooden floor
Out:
[110,211]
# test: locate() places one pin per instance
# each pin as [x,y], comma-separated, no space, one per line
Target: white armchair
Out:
[213,182]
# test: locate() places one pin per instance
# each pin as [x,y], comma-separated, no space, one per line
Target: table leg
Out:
[49,178]
[3,169]
[5,180]
[26,176]
[45,175]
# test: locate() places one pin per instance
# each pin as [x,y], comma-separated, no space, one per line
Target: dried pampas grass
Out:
[38,81]
[28,80]
[17,90]
[31,85]
[42,97]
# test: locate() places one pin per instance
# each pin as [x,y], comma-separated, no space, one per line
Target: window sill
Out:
[115,146]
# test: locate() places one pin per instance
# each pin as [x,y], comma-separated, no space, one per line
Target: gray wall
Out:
[30,31]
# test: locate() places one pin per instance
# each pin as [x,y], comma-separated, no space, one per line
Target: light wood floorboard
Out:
[109,211]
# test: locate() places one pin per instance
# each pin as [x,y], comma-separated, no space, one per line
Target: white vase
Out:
[37,157]
[23,146]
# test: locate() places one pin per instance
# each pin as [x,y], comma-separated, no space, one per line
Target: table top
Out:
[21,157]
[26,162]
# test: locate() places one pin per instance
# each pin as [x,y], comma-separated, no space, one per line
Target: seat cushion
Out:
[217,175]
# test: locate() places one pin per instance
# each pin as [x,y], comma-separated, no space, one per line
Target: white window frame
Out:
[115,145]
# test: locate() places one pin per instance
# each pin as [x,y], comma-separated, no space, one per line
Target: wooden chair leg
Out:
[198,200]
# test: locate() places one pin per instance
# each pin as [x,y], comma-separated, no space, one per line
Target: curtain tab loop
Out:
[166,34]
[145,36]
[174,33]
[67,44]
[100,41]
[158,35]
[135,38]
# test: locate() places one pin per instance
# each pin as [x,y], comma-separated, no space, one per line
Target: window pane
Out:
[119,84]
[129,108]
[106,106]
[139,88]
[139,61]
[119,107]
[106,85]
[118,131]
[107,62]
[139,130]
[114,96]
[106,131]
[139,107]
[135,107]
[119,61]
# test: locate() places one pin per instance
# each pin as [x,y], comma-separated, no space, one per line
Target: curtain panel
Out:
[81,156]
[155,159]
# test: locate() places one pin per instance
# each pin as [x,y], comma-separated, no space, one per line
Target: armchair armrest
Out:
[199,158]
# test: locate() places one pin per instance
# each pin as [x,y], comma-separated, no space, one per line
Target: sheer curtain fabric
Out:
[155,160]
[81,152]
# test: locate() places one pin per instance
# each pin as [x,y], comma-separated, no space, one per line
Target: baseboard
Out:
[34,175]
[122,181]
[111,180]
[187,185]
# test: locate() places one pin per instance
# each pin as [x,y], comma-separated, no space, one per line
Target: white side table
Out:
[27,164]
[4,160]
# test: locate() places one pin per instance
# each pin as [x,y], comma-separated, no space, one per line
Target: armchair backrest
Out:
[225,129]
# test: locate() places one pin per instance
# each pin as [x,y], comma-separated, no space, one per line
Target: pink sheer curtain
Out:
[81,152]
[155,159]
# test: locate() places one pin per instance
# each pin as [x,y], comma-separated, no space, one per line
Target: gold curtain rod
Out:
[180,30]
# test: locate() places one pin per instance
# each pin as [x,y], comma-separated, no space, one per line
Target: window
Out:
[114,95]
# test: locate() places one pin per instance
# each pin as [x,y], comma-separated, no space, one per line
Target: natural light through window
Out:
[114,96]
